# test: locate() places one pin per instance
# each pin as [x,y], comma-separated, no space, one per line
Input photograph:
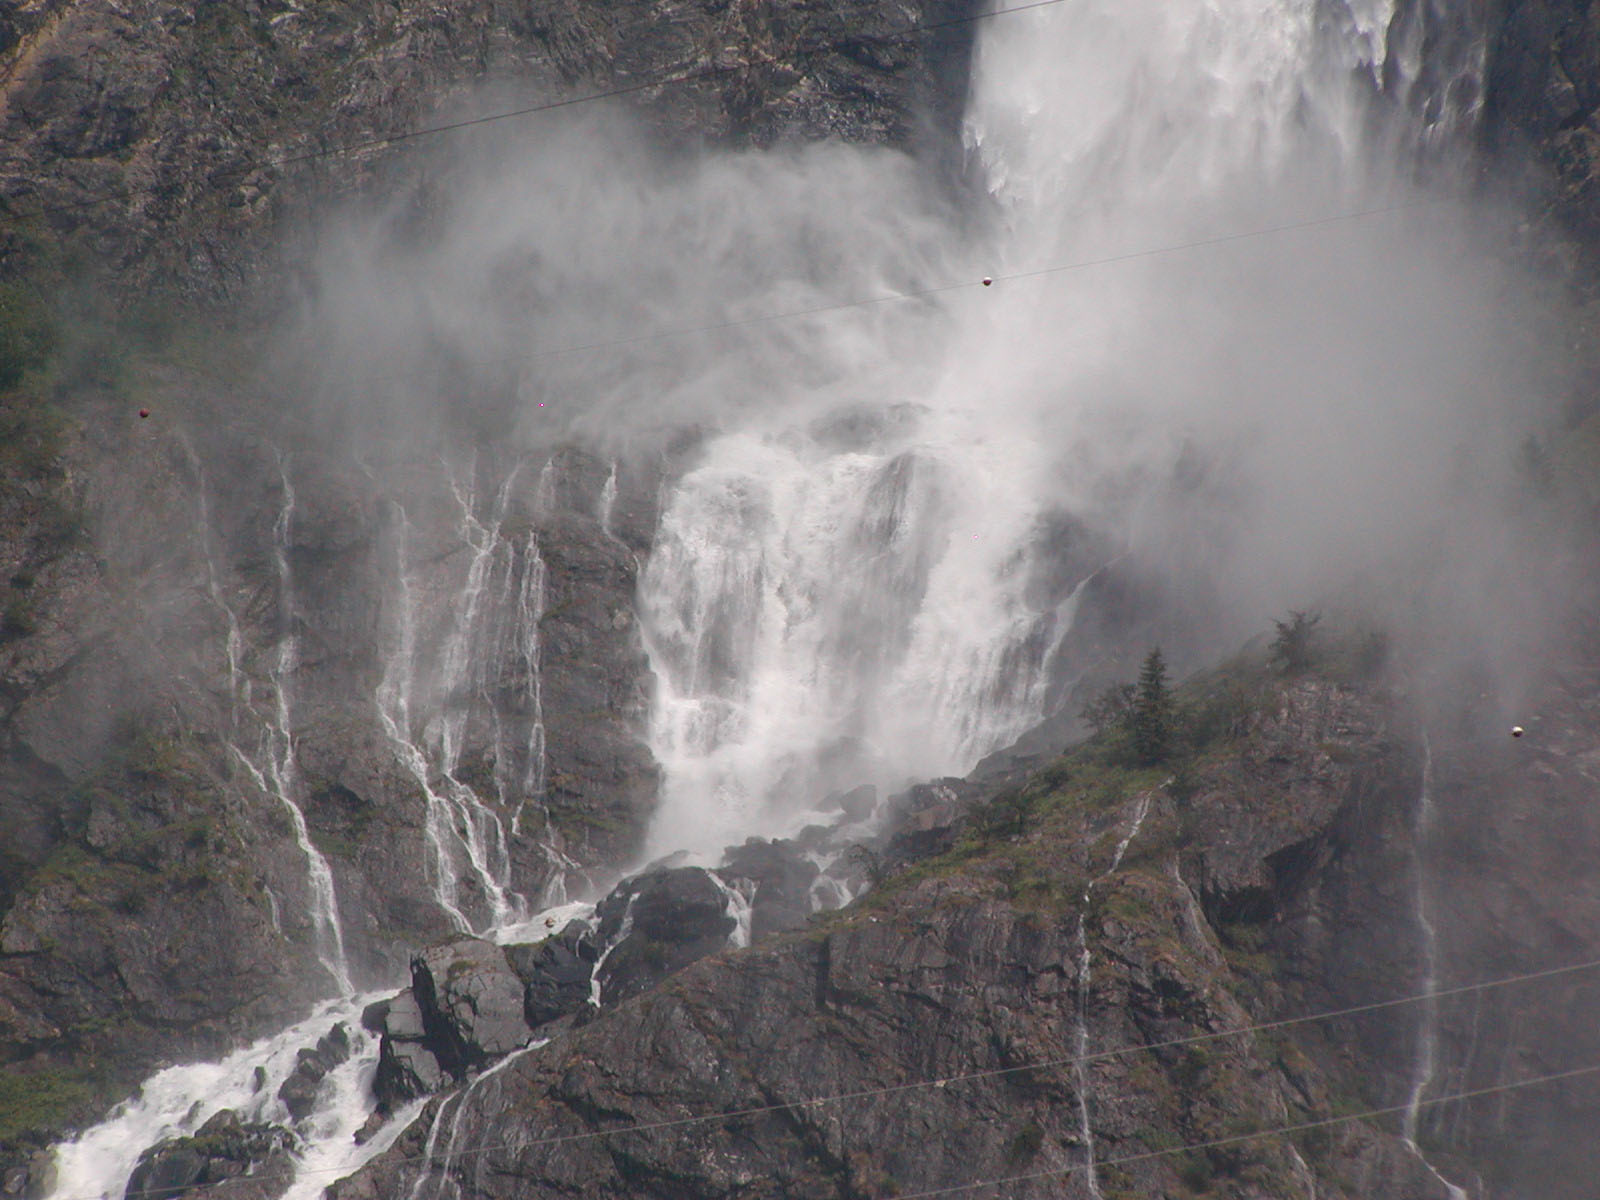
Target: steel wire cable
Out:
[226,176]
[943,1082]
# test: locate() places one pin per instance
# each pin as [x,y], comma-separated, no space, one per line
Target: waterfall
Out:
[857,575]
[1080,1026]
[845,591]
[177,1101]
[444,1186]
[1427,1060]
[271,765]
[608,501]
[486,662]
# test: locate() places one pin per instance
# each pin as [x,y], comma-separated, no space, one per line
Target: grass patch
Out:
[40,1102]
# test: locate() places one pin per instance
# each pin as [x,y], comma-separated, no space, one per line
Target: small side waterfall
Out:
[435,1182]
[1427,1060]
[427,698]
[1082,1085]
[270,764]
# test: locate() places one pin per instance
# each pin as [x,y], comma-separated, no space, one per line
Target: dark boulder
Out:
[470,1001]
[299,1090]
[222,1150]
[665,920]
[858,803]
[555,973]
[407,1069]
[780,878]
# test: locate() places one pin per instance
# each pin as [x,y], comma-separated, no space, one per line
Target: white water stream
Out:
[1081,1083]
[271,762]
[1427,1061]
[177,1101]
[428,694]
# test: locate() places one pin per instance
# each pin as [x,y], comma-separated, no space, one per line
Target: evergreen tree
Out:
[1152,718]
[1291,648]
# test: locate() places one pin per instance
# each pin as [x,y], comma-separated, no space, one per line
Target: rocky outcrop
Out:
[299,1091]
[657,924]
[175,140]
[925,1038]
[471,1003]
[407,1066]
[225,1158]
[464,1009]
[778,878]
[556,974]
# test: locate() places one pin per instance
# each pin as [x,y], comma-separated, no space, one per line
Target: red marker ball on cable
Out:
[144,414]
[988,281]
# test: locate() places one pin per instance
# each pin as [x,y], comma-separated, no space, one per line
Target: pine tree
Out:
[1291,648]
[1151,722]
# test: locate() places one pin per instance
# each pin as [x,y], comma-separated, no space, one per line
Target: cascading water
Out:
[848,593]
[425,702]
[179,1100]
[271,766]
[1427,1061]
[1080,1032]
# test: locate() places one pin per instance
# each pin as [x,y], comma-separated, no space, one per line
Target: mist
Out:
[1242,338]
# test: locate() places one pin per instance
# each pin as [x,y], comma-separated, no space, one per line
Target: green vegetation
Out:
[28,334]
[1292,649]
[41,1101]
[1150,723]
[1143,724]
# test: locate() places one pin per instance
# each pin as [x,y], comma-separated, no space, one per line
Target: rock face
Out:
[299,1091]
[216,1162]
[201,613]
[779,880]
[471,1002]
[407,1066]
[202,607]
[942,1016]
[656,925]
[555,974]
[172,138]
[464,1009]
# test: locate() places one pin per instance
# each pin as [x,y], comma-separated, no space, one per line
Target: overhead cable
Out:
[227,176]
[943,1082]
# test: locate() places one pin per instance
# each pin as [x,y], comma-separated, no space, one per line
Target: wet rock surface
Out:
[953,999]
[655,925]
[299,1091]
[226,1157]
[470,1001]
[779,878]
[407,1066]
[192,111]
[556,973]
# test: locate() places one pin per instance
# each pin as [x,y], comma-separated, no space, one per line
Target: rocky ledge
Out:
[931,1035]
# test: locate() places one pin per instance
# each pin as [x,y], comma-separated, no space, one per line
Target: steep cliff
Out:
[169,147]
[235,650]
[977,1022]
[280,707]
